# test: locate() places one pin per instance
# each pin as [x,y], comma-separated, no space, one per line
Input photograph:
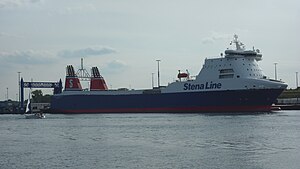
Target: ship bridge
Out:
[237,63]
[241,52]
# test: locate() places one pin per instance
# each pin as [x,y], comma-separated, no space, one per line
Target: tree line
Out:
[38,97]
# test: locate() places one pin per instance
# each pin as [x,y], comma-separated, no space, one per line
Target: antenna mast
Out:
[82,73]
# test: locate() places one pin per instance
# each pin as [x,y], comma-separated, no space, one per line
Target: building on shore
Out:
[9,107]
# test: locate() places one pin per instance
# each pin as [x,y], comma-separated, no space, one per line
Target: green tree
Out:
[37,97]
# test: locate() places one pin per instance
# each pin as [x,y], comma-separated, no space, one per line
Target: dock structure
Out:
[57,86]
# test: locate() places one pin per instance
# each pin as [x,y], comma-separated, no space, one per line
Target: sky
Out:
[124,38]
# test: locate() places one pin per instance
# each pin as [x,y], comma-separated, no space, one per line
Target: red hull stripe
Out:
[171,109]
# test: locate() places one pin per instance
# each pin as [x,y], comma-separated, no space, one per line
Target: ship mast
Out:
[82,73]
[239,45]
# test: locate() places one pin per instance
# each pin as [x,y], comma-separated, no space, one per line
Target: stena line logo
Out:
[203,86]
[71,83]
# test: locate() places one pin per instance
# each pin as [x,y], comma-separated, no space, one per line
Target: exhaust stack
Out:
[72,82]
[97,81]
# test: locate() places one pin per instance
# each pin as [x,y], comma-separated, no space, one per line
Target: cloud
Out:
[91,51]
[78,9]
[29,57]
[9,3]
[16,3]
[4,34]
[114,67]
[215,36]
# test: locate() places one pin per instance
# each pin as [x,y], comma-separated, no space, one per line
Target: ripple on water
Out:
[152,141]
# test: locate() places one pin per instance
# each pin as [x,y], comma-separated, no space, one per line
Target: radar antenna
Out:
[239,45]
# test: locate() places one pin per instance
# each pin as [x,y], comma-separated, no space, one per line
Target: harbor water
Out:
[210,141]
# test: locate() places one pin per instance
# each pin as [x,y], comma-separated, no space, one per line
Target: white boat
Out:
[35,116]
[28,113]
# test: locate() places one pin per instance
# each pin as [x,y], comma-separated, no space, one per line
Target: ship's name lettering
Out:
[203,86]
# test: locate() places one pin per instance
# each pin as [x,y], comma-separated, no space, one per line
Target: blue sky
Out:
[125,37]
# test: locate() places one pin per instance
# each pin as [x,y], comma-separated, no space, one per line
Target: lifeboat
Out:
[182,75]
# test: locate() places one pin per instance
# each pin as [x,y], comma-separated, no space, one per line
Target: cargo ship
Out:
[231,82]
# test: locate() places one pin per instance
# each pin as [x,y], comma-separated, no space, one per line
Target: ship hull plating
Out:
[252,100]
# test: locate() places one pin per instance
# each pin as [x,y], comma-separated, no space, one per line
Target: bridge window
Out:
[225,76]
[226,71]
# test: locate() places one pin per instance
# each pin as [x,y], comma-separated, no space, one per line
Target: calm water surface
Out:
[260,140]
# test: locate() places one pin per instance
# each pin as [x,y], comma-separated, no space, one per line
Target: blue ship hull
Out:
[209,101]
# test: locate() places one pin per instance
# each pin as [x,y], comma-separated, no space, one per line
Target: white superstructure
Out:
[237,70]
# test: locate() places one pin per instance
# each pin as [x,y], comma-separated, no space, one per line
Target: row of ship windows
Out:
[256,75]
[212,66]
[250,64]
[231,70]
[254,70]
[226,76]
[230,59]
[226,70]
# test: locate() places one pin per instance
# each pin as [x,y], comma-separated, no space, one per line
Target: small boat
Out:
[28,113]
[35,116]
